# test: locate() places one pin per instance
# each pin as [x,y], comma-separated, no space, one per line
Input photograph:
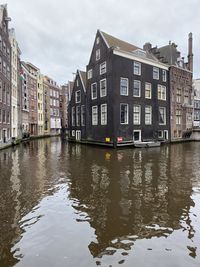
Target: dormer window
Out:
[97,54]
[89,74]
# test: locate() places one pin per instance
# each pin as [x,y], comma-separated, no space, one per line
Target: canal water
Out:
[74,205]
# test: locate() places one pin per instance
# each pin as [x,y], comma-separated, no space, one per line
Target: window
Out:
[164,75]
[124,113]
[155,73]
[97,40]
[77,82]
[178,117]
[104,114]
[89,74]
[123,86]
[178,95]
[78,116]
[4,116]
[136,88]
[136,114]
[94,115]
[162,115]
[97,54]
[94,90]
[160,134]
[103,68]
[73,133]
[161,92]
[0,63]
[8,117]
[103,88]
[147,90]
[73,116]
[78,96]
[1,91]
[148,115]
[0,115]
[82,115]
[137,68]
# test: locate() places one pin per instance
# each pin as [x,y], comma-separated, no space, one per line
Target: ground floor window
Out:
[162,115]
[94,115]
[124,113]
[104,114]
[148,115]
[136,114]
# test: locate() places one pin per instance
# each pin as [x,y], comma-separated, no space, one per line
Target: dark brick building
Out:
[77,108]
[127,94]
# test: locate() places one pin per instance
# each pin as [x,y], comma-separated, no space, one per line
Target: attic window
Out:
[97,40]
[140,52]
[97,54]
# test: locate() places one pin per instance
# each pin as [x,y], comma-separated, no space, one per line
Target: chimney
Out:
[190,54]
[147,47]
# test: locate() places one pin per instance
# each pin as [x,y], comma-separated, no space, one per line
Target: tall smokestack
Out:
[190,54]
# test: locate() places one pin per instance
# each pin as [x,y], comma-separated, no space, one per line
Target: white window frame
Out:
[83,111]
[138,65]
[127,115]
[121,78]
[73,115]
[104,116]
[76,93]
[165,116]
[101,81]
[161,93]
[97,40]
[162,134]
[155,73]
[149,122]
[139,82]
[98,54]
[92,94]
[78,113]
[147,84]
[73,133]
[94,121]
[164,75]
[103,68]
[89,74]
[134,112]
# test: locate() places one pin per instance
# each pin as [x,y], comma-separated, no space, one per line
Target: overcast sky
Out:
[57,36]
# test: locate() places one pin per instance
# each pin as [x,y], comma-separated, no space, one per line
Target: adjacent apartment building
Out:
[55,120]
[196,86]
[15,112]
[181,89]
[77,108]
[33,101]
[5,77]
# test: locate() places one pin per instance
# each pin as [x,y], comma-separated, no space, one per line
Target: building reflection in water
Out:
[132,194]
[124,195]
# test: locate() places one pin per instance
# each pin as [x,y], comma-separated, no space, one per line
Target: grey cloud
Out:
[57,36]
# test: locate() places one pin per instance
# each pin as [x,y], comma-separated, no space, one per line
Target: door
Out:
[78,135]
[137,135]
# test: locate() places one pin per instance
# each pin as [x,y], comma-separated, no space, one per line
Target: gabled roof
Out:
[112,41]
[118,44]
